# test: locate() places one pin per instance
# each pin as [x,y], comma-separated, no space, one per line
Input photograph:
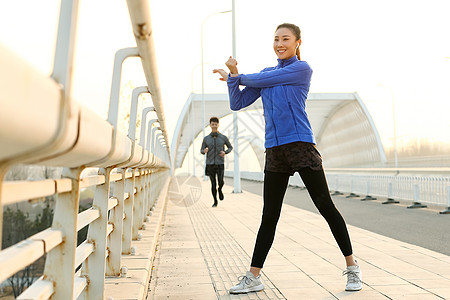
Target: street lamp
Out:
[395,127]
[237,173]
[193,137]
[203,76]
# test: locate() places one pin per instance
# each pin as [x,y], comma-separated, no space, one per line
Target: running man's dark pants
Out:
[275,185]
[212,171]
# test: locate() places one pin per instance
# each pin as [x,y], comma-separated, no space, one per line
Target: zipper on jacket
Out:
[293,116]
[215,150]
[274,127]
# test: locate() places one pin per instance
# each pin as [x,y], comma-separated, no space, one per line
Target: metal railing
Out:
[114,220]
[431,187]
[41,124]
[432,190]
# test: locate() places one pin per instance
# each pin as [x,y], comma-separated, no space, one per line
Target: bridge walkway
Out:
[202,250]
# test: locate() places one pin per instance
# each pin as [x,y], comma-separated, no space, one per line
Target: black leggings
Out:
[275,185]
[212,171]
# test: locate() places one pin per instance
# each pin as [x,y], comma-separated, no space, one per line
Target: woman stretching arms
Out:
[290,147]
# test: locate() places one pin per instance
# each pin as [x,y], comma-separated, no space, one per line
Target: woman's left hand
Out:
[232,65]
[222,73]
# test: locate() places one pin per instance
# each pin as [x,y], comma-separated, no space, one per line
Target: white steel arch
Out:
[188,127]
[345,132]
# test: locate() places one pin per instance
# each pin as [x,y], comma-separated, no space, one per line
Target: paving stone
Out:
[205,249]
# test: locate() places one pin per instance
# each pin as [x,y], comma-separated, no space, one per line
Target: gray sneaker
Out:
[354,278]
[247,283]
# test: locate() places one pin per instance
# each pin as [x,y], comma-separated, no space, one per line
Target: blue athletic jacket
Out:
[283,90]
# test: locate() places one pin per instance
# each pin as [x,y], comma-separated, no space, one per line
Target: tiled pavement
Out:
[202,251]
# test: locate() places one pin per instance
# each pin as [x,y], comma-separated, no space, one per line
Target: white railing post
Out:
[352,189]
[447,211]
[60,262]
[390,199]
[94,267]
[368,197]
[153,182]
[148,195]
[128,209]
[155,176]
[336,191]
[114,260]
[144,197]
[137,207]
[416,203]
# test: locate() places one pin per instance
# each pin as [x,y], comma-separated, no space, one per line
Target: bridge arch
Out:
[345,132]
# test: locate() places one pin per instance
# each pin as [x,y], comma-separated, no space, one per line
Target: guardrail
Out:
[114,220]
[431,187]
[41,124]
[418,189]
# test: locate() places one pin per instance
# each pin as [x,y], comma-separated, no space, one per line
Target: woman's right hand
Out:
[232,65]
[222,73]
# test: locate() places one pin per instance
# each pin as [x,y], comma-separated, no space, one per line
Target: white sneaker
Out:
[247,283]
[354,278]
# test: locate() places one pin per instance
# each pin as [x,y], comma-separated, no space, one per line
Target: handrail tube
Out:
[104,242]
[92,180]
[21,110]
[113,111]
[62,74]
[155,140]
[87,217]
[19,256]
[133,110]
[65,45]
[119,58]
[17,191]
[40,289]
[146,155]
[133,120]
[13,255]
[79,284]
[153,137]
[139,11]
[83,252]
[151,132]
[143,123]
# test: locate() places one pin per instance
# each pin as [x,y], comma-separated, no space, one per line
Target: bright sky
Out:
[352,45]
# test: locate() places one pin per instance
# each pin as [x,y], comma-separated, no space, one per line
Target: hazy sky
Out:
[351,46]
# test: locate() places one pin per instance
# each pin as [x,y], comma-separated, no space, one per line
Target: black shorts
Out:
[289,158]
[212,170]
